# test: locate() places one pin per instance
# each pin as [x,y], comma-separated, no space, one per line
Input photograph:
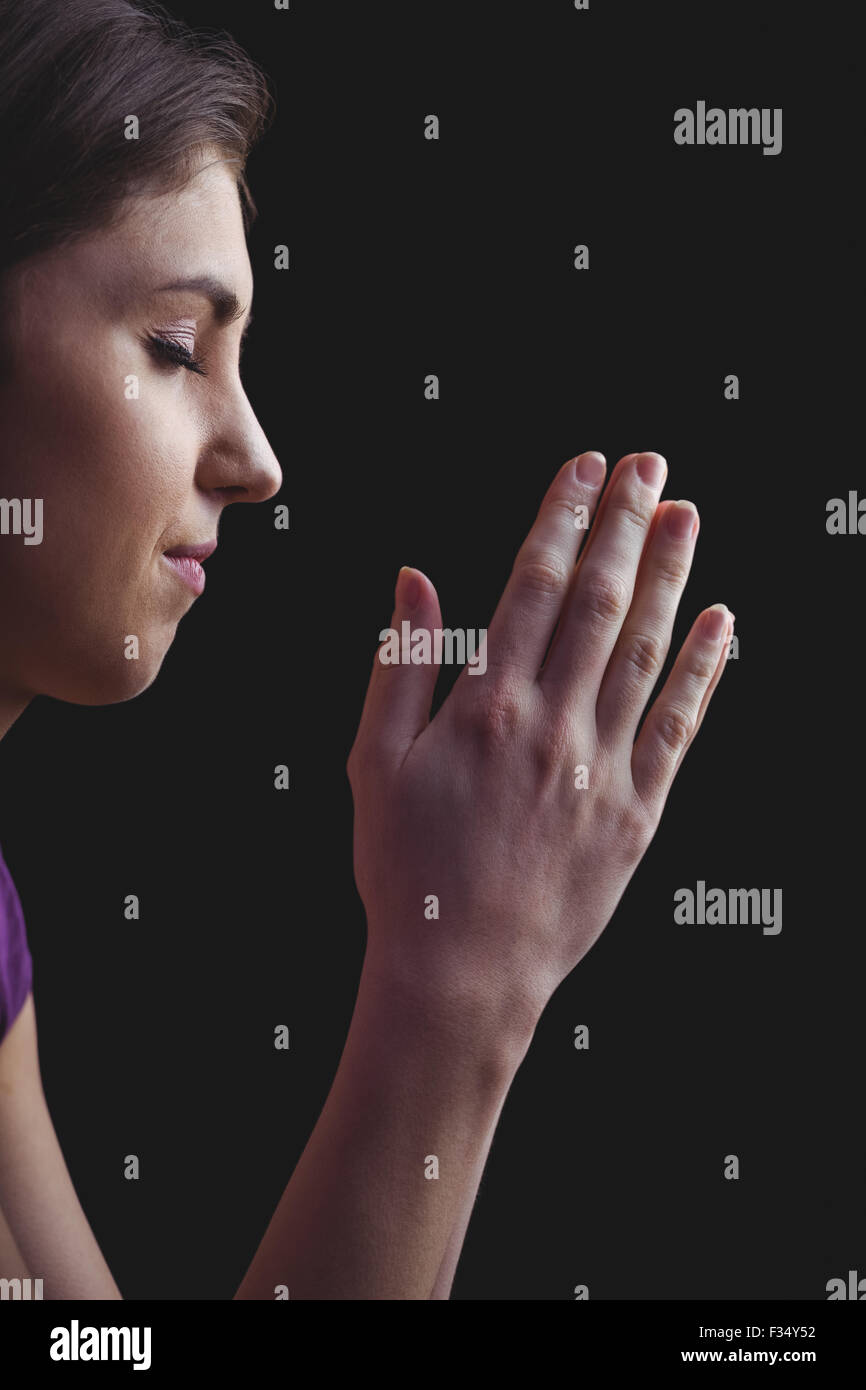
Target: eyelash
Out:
[169,351]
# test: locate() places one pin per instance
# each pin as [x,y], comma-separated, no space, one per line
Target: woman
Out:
[491,844]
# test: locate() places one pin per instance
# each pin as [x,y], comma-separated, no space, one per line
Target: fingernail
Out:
[651,469]
[715,622]
[589,469]
[681,520]
[408,588]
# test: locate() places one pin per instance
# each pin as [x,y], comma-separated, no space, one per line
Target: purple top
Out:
[16,966]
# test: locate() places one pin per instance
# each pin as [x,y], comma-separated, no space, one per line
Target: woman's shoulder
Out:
[16,966]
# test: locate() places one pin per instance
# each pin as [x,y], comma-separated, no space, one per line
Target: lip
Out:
[192,552]
[186,560]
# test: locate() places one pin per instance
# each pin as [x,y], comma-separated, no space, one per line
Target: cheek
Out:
[115,474]
[112,459]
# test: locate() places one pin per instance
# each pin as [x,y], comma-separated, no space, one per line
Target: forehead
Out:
[196,229]
[206,209]
[157,239]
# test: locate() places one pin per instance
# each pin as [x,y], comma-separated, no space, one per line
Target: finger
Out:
[645,639]
[723,661]
[523,624]
[673,718]
[400,692]
[603,583]
[616,474]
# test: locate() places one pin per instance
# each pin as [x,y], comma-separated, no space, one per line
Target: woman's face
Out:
[130,451]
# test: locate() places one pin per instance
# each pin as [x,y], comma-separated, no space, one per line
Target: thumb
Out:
[400,693]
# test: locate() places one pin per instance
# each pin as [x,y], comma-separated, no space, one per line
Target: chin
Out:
[111,684]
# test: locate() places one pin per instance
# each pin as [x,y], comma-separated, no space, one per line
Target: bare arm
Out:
[12,1264]
[382,1184]
[45,1226]
[448,1268]
[492,845]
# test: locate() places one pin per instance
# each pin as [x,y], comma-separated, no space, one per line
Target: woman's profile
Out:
[125,431]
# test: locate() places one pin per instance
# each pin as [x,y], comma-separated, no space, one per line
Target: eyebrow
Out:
[226,306]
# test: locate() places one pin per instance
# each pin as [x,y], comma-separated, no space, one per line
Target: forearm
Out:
[12,1262]
[42,1224]
[360,1217]
[448,1268]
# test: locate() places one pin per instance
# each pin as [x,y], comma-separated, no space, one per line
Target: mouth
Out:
[186,561]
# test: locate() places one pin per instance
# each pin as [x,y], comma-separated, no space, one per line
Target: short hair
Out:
[71,73]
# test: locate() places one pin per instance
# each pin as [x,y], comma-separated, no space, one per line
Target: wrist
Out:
[447,1010]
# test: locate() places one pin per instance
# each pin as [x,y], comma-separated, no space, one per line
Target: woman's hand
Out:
[483,814]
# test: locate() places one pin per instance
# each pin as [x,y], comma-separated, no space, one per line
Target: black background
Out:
[454,257]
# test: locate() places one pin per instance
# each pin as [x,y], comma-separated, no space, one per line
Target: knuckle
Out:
[562,507]
[671,570]
[603,596]
[494,718]
[357,763]
[637,826]
[368,759]
[702,665]
[355,771]
[542,573]
[675,727]
[645,653]
[628,507]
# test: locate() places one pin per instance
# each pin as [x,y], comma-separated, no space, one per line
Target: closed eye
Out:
[167,350]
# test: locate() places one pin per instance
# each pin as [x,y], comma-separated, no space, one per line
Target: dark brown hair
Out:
[71,72]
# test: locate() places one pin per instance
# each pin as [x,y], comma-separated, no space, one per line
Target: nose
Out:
[237,458]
